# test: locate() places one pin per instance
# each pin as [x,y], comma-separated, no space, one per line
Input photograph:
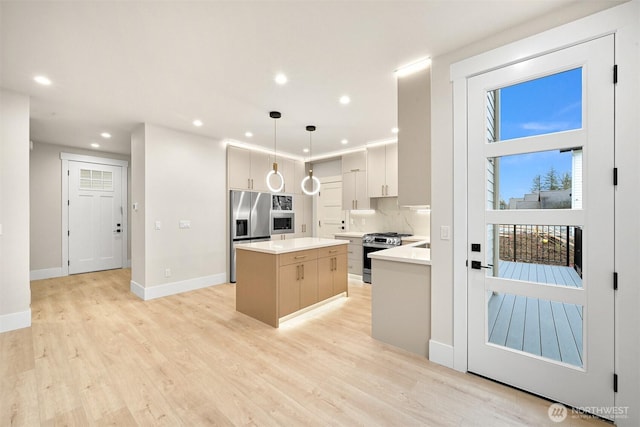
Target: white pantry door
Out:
[329,207]
[540,251]
[95,217]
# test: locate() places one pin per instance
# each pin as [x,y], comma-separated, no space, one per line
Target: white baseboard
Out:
[441,354]
[46,273]
[13,321]
[166,289]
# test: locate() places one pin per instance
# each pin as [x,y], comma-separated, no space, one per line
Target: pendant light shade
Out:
[275,189]
[315,182]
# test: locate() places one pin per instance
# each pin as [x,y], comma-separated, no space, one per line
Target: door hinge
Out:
[615,383]
[615,176]
[466,263]
[68,233]
[615,280]
[68,203]
[68,263]
[67,172]
[615,74]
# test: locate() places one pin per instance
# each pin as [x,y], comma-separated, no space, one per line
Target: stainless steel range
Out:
[377,242]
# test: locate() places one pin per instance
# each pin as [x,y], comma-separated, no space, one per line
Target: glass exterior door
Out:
[541,205]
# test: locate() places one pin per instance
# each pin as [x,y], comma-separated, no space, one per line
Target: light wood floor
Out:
[97,355]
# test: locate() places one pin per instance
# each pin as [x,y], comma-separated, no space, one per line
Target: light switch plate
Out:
[184,223]
[445,233]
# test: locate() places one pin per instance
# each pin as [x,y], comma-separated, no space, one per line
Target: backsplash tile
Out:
[388,216]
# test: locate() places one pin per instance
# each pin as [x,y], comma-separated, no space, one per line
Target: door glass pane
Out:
[550,254]
[549,329]
[536,107]
[541,180]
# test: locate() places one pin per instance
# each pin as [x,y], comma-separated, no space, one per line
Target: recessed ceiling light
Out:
[305,150]
[248,134]
[94,145]
[43,80]
[281,79]
[197,122]
[395,130]
[344,142]
[344,99]
[105,135]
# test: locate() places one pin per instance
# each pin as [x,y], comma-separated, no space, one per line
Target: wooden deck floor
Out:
[544,328]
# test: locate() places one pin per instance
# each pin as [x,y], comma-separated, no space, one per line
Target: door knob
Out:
[477,265]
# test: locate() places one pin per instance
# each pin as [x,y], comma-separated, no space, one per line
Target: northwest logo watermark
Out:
[557,412]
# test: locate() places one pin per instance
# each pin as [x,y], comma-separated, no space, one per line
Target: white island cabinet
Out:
[401,297]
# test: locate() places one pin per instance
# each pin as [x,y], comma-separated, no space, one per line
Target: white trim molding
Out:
[46,273]
[441,354]
[173,288]
[13,321]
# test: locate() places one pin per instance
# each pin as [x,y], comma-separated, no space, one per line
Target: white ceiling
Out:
[115,64]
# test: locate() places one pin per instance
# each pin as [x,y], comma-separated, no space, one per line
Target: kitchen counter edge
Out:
[405,253]
[276,247]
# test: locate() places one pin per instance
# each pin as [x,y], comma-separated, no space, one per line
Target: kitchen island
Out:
[401,297]
[278,279]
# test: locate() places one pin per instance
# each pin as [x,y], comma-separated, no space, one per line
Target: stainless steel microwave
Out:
[282,222]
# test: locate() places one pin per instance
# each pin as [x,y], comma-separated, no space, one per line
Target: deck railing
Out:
[539,244]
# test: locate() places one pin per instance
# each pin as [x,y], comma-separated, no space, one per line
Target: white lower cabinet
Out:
[354,254]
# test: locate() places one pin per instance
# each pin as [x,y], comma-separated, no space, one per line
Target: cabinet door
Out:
[340,274]
[362,198]
[354,162]
[348,190]
[376,171]
[325,278]
[309,284]
[299,172]
[238,168]
[289,289]
[391,168]
[260,166]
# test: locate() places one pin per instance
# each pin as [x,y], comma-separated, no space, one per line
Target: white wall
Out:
[45,190]
[184,179]
[326,168]
[15,293]
[137,217]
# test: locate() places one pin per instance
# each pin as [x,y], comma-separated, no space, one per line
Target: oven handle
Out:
[377,246]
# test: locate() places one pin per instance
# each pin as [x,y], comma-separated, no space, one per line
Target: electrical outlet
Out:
[167,272]
[158,225]
[184,223]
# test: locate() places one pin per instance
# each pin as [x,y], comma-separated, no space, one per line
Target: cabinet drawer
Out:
[332,251]
[355,268]
[355,251]
[299,256]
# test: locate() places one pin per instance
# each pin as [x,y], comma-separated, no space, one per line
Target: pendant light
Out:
[315,182]
[275,115]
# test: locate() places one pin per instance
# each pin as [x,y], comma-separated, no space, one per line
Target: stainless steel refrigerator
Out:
[250,217]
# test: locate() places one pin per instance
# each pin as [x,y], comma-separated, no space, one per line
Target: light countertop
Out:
[416,239]
[405,253]
[355,234]
[293,245]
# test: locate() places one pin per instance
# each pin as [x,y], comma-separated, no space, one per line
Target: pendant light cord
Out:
[275,141]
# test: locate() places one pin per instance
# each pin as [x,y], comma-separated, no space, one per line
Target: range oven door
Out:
[366,261]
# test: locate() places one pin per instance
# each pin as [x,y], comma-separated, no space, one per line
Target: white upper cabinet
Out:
[354,181]
[414,139]
[246,169]
[382,171]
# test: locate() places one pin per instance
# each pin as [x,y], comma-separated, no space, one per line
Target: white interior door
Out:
[329,211]
[96,229]
[541,224]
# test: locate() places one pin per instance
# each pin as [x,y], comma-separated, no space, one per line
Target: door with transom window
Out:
[541,224]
